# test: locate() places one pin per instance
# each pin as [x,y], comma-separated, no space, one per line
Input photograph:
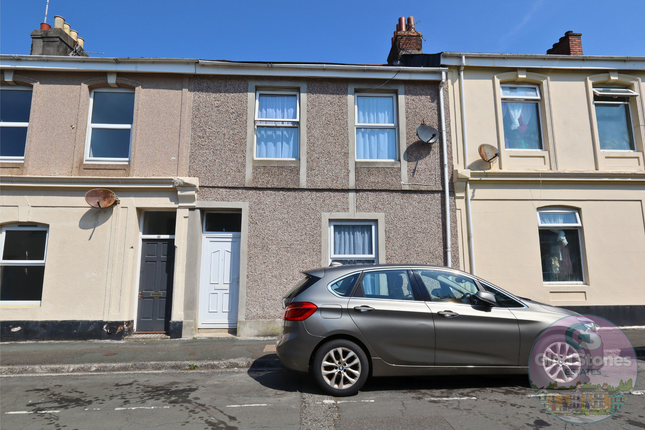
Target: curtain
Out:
[376,144]
[277,107]
[353,240]
[375,110]
[276,142]
[555,218]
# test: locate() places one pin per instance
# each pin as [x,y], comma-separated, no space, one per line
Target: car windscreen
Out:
[301,286]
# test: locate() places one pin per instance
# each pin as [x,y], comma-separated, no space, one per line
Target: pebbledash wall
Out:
[287,205]
[91,268]
[571,173]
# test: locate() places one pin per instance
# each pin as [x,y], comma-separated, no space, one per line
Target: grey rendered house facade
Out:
[230,178]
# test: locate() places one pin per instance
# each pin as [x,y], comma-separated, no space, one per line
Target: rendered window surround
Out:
[525,159]
[276,122]
[377,126]
[17,124]
[371,257]
[611,159]
[88,158]
[22,263]
[573,222]
[352,217]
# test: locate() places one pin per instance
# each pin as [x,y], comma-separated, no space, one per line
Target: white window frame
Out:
[577,225]
[537,99]
[13,159]
[394,125]
[33,263]
[373,256]
[624,93]
[91,126]
[294,123]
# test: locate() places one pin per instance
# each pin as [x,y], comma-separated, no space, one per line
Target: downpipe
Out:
[469,215]
[446,181]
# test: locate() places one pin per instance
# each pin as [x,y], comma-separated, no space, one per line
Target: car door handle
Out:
[363,308]
[448,314]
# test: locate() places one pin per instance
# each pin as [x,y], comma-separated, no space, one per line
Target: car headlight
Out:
[591,326]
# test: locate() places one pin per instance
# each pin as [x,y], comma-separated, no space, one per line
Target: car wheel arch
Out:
[343,336]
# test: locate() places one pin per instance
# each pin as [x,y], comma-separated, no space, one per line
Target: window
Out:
[386,284]
[277,123]
[15,105]
[560,245]
[613,118]
[376,127]
[502,299]
[344,286]
[521,117]
[447,287]
[353,242]
[157,223]
[23,250]
[110,130]
[223,222]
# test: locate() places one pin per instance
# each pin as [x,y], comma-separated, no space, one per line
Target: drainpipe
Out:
[469,215]
[446,184]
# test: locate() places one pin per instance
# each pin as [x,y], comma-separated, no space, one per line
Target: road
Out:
[280,399]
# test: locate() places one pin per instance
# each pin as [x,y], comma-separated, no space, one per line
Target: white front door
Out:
[220,280]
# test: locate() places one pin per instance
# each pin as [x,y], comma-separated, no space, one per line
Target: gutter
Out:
[446,182]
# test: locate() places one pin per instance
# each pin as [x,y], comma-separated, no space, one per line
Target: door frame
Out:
[240,235]
[140,213]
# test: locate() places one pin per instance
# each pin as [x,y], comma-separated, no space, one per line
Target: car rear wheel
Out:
[340,368]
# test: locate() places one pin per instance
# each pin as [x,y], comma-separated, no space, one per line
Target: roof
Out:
[218,67]
[550,61]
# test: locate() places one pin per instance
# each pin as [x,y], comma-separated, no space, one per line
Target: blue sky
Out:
[329,31]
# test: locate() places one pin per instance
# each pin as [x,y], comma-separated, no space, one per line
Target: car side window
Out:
[502,299]
[447,287]
[387,284]
[343,287]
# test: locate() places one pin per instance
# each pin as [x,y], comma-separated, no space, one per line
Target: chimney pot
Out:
[66,27]
[74,34]
[59,21]
[81,42]
[411,23]
[401,26]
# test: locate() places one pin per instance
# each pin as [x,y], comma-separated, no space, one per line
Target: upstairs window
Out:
[521,117]
[560,245]
[109,134]
[376,127]
[23,250]
[15,105]
[614,119]
[353,242]
[277,125]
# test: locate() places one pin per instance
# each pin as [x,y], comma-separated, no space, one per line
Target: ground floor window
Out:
[353,242]
[22,265]
[561,245]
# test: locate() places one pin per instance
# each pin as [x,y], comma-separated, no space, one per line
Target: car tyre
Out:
[560,363]
[340,368]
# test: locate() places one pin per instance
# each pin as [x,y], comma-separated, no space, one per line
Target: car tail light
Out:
[299,311]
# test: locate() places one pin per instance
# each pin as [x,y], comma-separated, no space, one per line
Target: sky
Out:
[330,31]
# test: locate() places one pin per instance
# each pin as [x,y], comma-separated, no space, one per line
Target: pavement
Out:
[20,358]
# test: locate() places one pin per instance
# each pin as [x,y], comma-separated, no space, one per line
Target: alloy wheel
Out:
[340,368]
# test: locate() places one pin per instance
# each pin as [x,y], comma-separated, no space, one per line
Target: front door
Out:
[155,285]
[219,285]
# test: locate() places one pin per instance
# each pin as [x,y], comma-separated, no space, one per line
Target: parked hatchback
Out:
[347,323]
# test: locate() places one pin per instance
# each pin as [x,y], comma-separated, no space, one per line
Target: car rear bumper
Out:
[295,346]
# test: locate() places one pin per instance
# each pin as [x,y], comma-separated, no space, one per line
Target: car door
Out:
[467,333]
[393,319]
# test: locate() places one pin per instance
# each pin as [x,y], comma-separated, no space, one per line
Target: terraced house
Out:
[230,179]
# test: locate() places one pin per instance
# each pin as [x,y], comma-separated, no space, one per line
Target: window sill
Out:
[105,166]
[275,162]
[20,160]
[622,160]
[22,304]
[376,163]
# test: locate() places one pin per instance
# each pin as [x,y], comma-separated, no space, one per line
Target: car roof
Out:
[341,270]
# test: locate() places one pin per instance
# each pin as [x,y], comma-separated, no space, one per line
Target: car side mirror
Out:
[486,297]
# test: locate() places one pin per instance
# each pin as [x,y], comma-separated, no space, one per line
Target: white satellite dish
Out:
[427,134]
[488,152]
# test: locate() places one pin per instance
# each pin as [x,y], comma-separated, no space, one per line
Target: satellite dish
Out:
[100,198]
[427,134]
[488,152]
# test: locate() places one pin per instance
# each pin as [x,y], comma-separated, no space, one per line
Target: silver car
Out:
[346,323]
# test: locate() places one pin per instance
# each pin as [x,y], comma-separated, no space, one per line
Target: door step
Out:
[134,337]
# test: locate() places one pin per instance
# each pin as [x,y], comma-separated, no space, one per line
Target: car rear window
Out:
[343,287]
[301,286]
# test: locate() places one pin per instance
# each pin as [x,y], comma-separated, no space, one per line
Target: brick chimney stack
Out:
[569,44]
[60,40]
[406,40]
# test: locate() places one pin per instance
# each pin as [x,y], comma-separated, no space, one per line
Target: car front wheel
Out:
[340,368]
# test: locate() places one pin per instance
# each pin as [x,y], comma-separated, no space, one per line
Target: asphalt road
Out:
[280,399]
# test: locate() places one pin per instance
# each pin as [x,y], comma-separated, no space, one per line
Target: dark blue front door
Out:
[155,285]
